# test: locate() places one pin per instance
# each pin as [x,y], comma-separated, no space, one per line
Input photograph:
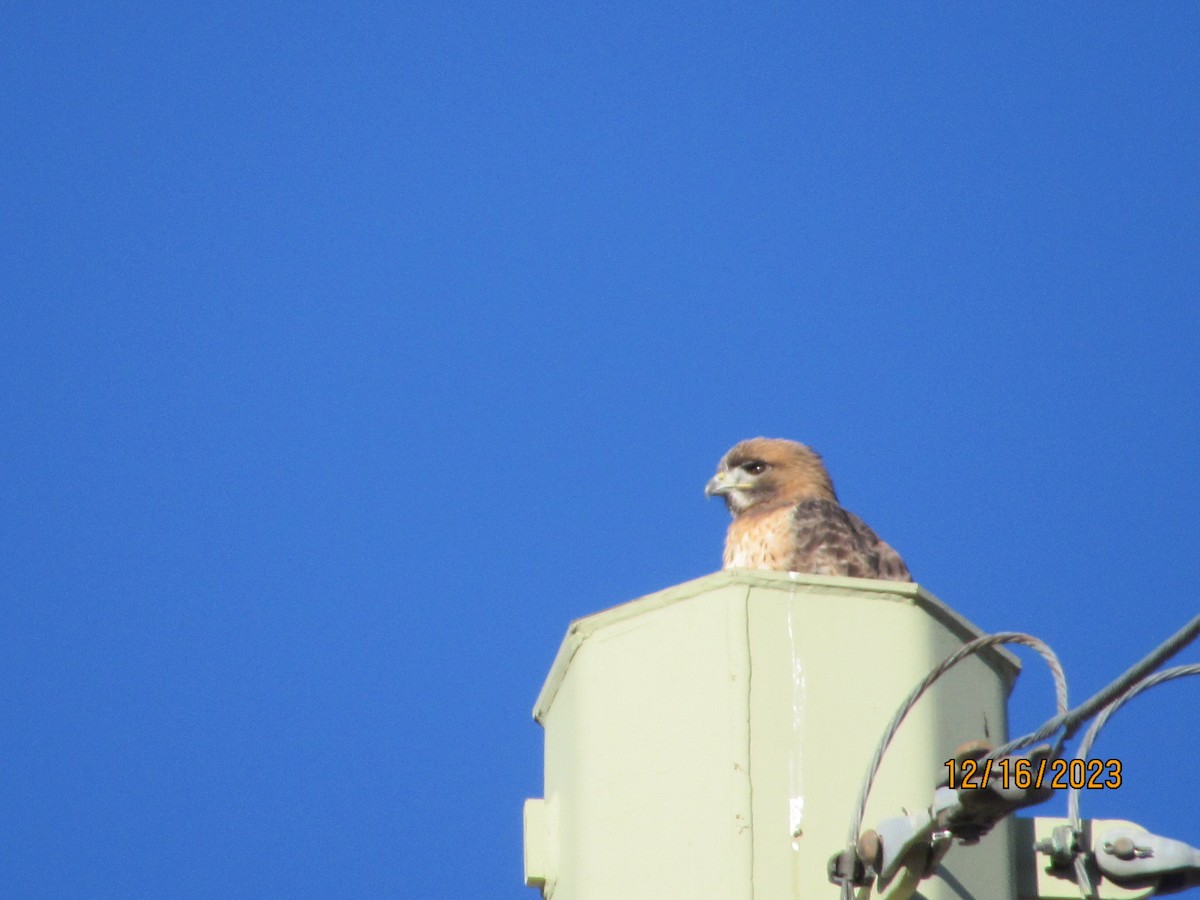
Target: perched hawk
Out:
[786,516]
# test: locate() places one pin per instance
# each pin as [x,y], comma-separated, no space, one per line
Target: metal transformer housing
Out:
[710,740]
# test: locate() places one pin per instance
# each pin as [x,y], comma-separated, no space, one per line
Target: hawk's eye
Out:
[754,467]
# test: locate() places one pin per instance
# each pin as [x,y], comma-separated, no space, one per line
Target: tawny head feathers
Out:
[769,472]
[786,517]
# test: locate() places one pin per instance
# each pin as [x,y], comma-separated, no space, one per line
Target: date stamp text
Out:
[1024,774]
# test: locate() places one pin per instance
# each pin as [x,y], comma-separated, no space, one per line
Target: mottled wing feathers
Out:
[830,540]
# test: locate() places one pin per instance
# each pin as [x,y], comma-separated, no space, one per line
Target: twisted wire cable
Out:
[1070,722]
[968,649]
[1104,702]
[1085,746]
[1086,889]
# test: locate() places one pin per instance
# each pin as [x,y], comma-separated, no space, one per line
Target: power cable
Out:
[968,649]
[1086,889]
[1071,721]
[1106,701]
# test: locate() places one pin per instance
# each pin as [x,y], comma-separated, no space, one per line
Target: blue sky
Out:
[351,350]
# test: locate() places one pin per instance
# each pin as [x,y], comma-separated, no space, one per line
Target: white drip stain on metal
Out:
[795,757]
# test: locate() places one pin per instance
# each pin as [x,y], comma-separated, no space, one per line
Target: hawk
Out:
[786,516]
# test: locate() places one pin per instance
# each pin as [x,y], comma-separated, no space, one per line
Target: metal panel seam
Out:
[749,731]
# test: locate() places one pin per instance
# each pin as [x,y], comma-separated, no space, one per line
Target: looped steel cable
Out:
[1101,705]
[1070,722]
[1086,889]
[968,649]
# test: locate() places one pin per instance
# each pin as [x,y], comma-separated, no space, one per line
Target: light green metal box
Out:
[710,740]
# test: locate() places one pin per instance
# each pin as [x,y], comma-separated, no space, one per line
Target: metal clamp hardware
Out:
[1131,857]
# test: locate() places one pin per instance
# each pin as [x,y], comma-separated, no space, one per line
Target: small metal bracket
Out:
[970,813]
[1132,856]
[1062,846]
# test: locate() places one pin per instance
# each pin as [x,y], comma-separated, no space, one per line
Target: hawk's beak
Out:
[721,484]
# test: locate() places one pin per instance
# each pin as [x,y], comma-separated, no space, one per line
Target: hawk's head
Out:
[771,471]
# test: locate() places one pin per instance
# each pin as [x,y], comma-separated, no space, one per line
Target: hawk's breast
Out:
[763,540]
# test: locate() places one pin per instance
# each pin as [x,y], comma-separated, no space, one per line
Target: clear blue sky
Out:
[351,350]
